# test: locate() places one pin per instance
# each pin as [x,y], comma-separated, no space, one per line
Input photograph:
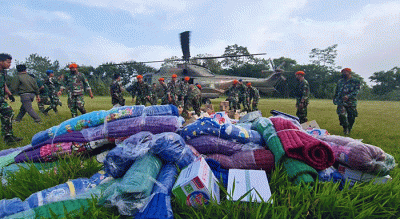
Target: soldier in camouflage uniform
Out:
[253,95]
[184,87]
[233,95]
[116,91]
[164,88]
[173,90]
[52,85]
[346,100]
[43,94]
[154,94]
[302,96]
[243,96]
[141,90]
[193,99]
[76,83]
[6,112]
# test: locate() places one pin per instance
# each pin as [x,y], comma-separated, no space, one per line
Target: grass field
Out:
[377,124]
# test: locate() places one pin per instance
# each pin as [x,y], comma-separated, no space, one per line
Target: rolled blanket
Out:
[250,117]
[96,118]
[75,136]
[297,171]
[159,205]
[137,184]
[359,156]
[251,159]
[302,146]
[209,144]
[208,126]
[11,150]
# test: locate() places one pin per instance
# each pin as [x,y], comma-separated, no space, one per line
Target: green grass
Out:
[377,124]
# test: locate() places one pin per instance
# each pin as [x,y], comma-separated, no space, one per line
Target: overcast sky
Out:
[98,31]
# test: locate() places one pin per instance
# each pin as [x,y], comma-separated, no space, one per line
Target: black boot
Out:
[12,139]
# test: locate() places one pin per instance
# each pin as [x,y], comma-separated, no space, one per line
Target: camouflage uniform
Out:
[75,85]
[52,84]
[243,97]
[193,99]
[347,109]
[154,96]
[44,95]
[164,97]
[184,87]
[302,96]
[116,93]
[173,90]
[233,96]
[253,95]
[6,112]
[141,91]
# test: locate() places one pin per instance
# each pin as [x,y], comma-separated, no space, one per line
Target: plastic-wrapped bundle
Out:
[297,171]
[171,147]
[278,113]
[220,173]
[240,134]
[120,159]
[202,126]
[11,150]
[250,117]
[209,144]
[96,118]
[359,156]
[159,205]
[57,193]
[302,146]
[75,136]
[251,159]
[137,184]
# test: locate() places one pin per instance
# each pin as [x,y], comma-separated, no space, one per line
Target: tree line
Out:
[322,72]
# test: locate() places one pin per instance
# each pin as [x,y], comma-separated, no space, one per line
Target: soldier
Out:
[164,88]
[52,85]
[253,95]
[302,96]
[6,112]
[184,86]
[346,100]
[198,85]
[243,96]
[154,96]
[233,95]
[116,91]
[141,90]
[173,90]
[27,88]
[76,83]
[44,95]
[193,99]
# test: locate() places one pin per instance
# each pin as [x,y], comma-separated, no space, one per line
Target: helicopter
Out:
[214,86]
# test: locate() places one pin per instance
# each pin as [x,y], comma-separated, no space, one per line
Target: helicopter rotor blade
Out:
[185,38]
[228,56]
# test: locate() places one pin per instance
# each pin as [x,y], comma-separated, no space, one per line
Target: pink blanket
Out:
[302,146]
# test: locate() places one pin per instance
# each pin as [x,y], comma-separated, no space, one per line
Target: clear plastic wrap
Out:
[360,156]
[250,117]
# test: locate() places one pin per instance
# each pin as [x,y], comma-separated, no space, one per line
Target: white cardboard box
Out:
[246,180]
[196,184]
[358,176]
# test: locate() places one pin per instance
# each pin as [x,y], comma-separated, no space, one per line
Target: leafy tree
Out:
[386,81]
[324,57]
[211,64]
[170,62]
[37,65]
[236,62]
[286,64]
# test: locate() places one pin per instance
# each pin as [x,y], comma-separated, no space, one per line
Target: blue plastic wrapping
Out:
[202,126]
[120,159]
[220,173]
[161,110]
[240,134]
[159,205]
[12,206]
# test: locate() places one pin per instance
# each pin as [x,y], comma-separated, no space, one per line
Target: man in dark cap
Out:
[27,88]
[52,86]
[6,112]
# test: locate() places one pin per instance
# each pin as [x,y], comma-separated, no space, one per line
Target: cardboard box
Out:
[310,125]
[246,180]
[196,184]
[224,106]
[358,176]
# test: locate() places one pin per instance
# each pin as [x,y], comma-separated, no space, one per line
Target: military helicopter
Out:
[213,85]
